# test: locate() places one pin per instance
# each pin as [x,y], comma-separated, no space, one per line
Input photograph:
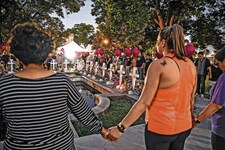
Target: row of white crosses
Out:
[134,75]
[54,65]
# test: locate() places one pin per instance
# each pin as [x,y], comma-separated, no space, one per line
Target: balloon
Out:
[97,51]
[62,49]
[190,49]
[101,52]
[158,55]
[135,52]
[117,52]
[84,54]
[127,52]
[3,47]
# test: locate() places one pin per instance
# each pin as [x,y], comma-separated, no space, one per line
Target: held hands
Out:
[195,121]
[112,134]
[115,134]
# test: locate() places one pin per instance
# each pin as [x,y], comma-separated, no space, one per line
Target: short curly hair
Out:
[220,55]
[30,43]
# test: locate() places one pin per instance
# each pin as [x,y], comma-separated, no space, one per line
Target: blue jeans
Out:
[154,141]
[201,84]
[141,73]
[218,142]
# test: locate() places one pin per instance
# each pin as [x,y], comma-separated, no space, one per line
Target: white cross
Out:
[11,63]
[103,69]
[66,65]
[134,76]
[54,63]
[91,66]
[110,74]
[121,72]
[96,68]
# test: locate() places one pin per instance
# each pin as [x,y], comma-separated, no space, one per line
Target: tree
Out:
[209,28]
[128,23]
[19,11]
[83,33]
[122,22]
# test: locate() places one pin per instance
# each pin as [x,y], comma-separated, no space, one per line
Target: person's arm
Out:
[194,72]
[209,110]
[148,92]
[210,72]
[82,111]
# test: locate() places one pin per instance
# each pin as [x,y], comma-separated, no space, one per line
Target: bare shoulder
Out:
[160,65]
[163,62]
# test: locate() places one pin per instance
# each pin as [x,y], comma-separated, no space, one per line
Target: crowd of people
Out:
[35,100]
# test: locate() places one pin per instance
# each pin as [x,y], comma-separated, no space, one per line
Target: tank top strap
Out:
[172,57]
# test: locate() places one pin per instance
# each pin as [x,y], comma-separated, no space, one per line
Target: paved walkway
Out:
[133,138]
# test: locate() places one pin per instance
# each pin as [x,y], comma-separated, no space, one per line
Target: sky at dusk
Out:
[83,16]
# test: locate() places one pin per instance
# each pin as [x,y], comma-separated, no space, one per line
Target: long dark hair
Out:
[174,38]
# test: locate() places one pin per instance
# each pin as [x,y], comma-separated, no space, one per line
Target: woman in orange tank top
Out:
[167,97]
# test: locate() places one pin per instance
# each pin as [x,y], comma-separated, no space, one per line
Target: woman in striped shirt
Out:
[35,101]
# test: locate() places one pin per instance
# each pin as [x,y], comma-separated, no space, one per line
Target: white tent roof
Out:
[73,46]
[88,48]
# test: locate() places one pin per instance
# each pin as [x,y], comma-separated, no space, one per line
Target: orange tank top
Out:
[169,112]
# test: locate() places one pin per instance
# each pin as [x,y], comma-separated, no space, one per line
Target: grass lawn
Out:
[119,107]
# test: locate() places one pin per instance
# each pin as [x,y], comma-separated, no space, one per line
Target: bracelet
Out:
[197,121]
[121,127]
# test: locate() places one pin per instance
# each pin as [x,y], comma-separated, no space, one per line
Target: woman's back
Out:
[36,111]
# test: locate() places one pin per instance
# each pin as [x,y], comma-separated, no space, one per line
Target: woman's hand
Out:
[115,134]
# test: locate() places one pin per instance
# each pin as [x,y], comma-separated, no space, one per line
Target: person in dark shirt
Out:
[214,72]
[127,64]
[148,61]
[140,64]
[202,64]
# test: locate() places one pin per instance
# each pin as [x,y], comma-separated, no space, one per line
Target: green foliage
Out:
[209,27]
[83,33]
[119,107]
[20,11]
[129,22]
[123,22]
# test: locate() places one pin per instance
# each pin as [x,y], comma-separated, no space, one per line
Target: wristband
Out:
[197,121]
[121,127]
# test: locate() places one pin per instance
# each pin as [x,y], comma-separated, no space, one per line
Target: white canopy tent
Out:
[70,50]
[72,46]
[88,48]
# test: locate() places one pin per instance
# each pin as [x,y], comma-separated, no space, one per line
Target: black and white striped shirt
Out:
[36,112]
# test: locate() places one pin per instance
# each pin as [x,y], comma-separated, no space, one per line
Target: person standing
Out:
[202,64]
[108,60]
[167,96]
[140,64]
[148,61]
[35,101]
[216,108]
[127,65]
[214,72]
